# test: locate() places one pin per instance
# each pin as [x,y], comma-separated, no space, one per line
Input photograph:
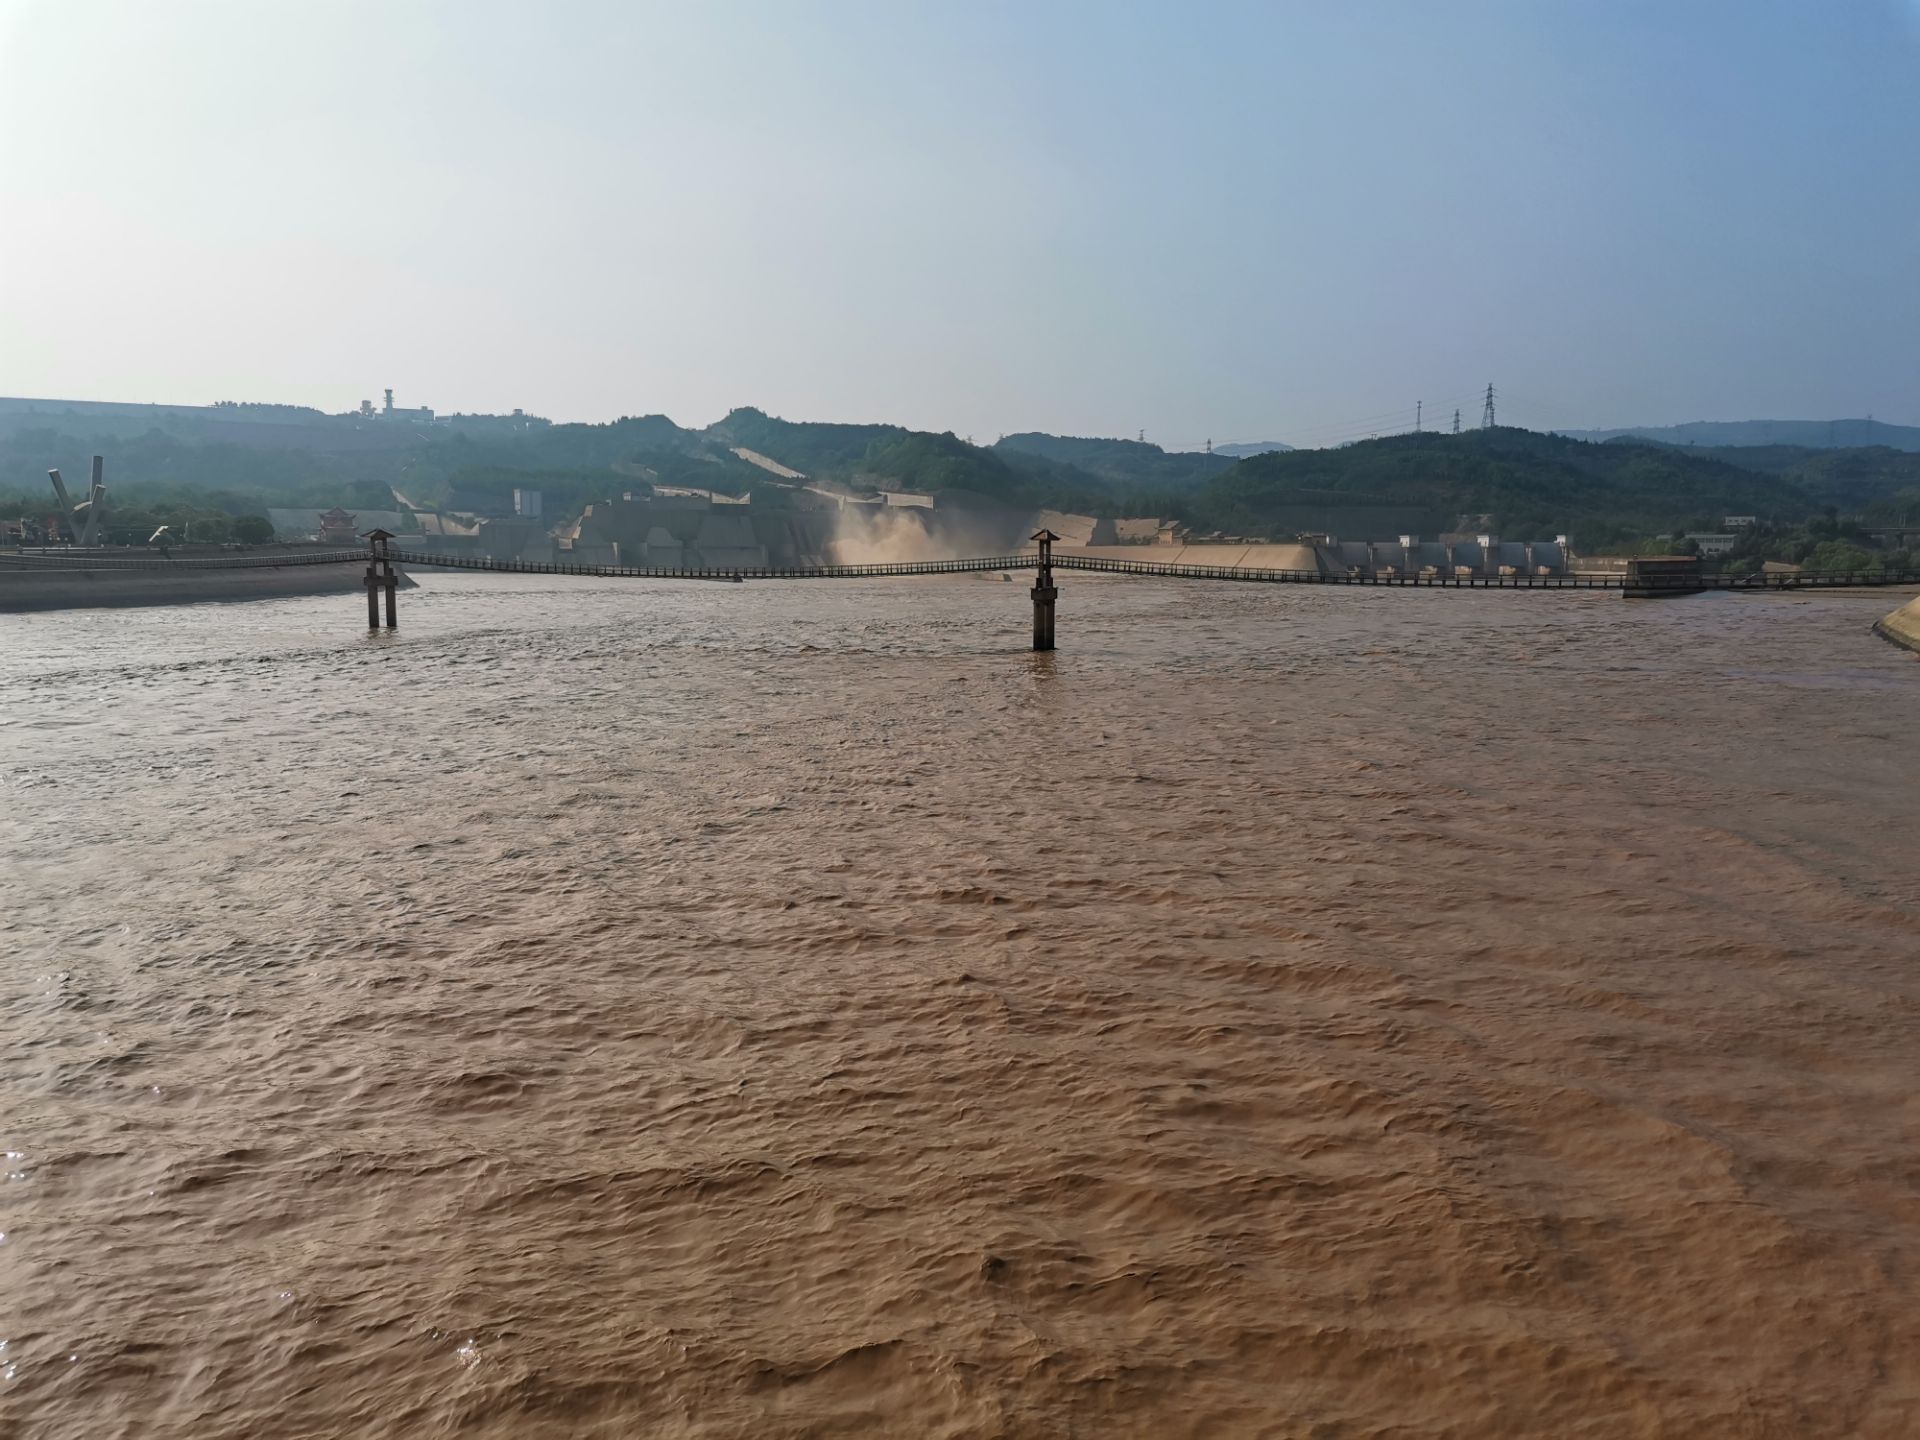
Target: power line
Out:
[1392,423]
[1398,421]
[1393,420]
[1352,422]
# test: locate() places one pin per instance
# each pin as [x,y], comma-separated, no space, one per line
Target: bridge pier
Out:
[381,576]
[1043,598]
[1045,592]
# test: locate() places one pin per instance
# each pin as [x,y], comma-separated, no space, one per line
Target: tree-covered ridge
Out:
[815,449]
[917,460]
[1247,449]
[1526,483]
[1850,479]
[1125,465]
[1746,434]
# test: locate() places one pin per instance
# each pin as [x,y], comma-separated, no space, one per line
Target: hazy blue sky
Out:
[1204,220]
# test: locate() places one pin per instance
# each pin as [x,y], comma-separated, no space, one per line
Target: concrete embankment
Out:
[45,588]
[1902,627]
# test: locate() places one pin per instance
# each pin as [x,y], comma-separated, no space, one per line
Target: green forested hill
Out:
[1749,434]
[813,448]
[1847,479]
[890,457]
[1125,465]
[564,447]
[919,461]
[1528,483]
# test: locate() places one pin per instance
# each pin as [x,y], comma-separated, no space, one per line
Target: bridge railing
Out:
[61,559]
[1575,580]
[1801,579]
[685,572]
[1270,576]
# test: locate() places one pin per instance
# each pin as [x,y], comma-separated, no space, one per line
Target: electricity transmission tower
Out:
[1486,415]
[1456,422]
[1418,405]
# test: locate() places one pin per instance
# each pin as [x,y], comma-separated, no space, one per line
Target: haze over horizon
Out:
[1234,222]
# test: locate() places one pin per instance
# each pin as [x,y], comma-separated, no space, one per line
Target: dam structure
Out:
[1902,627]
[684,533]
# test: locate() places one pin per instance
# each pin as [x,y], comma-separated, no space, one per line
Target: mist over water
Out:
[885,535]
[610,1009]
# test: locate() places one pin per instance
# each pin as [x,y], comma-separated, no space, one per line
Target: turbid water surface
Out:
[627,1009]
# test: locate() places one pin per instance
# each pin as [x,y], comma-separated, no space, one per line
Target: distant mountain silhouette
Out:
[180,463]
[1529,484]
[1813,434]
[1251,448]
[1122,464]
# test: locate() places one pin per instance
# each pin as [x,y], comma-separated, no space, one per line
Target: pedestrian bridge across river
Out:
[1032,560]
[1642,578]
[383,558]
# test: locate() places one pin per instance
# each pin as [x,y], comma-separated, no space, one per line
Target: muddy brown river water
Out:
[613,1009]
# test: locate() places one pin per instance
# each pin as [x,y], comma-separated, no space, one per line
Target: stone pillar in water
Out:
[1044,592]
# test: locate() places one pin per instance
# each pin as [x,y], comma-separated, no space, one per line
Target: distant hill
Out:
[919,461]
[1879,485]
[1122,464]
[1531,485]
[252,425]
[1251,448]
[175,461]
[1848,479]
[1810,434]
[894,458]
[179,454]
[811,447]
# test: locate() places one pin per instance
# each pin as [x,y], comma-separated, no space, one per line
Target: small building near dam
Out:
[335,525]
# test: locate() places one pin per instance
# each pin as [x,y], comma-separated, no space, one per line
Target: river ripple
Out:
[617,1009]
